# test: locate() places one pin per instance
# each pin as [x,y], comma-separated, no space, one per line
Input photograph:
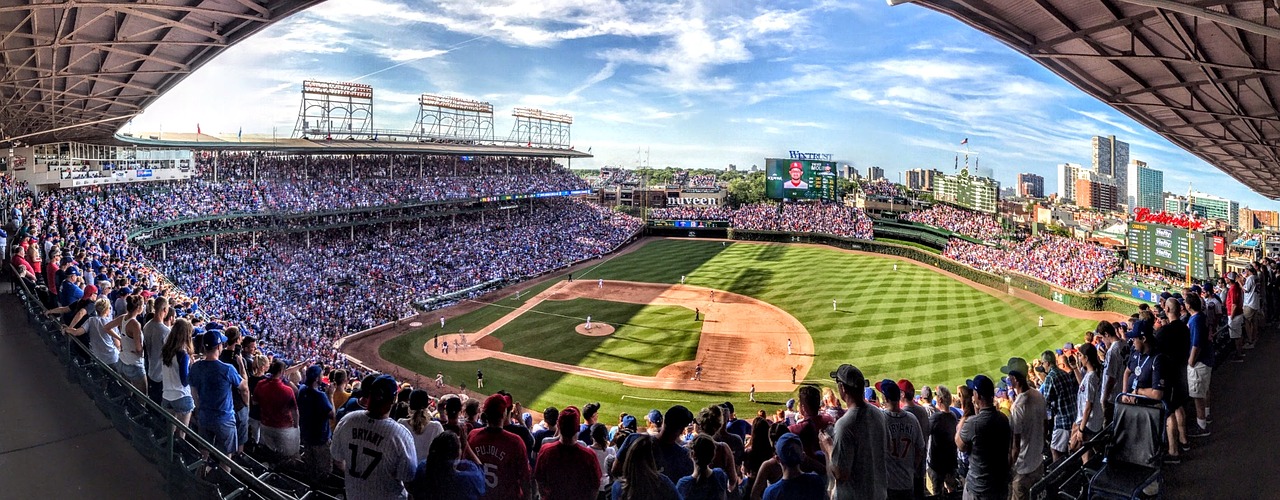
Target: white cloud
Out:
[400,54]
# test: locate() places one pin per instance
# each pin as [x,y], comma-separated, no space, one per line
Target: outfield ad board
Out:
[1170,248]
[800,179]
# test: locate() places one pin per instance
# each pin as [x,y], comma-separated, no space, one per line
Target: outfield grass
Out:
[913,323]
[647,338]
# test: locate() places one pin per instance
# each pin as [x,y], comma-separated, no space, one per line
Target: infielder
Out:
[752,394]
[442,322]
[681,279]
[600,283]
[788,347]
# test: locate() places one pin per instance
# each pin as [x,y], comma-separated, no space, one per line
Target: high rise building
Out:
[1258,219]
[1030,186]
[1096,191]
[1111,157]
[975,193]
[1145,188]
[1215,207]
[1175,204]
[875,173]
[849,172]
[1067,173]
[921,179]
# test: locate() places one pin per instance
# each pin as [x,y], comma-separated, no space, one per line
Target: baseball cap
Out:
[677,416]
[73,271]
[90,290]
[869,394]
[1231,275]
[313,374]
[1015,365]
[654,416]
[568,419]
[213,338]
[890,390]
[982,385]
[67,260]
[589,410]
[906,387]
[629,422]
[498,403]
[383,389]
[789,449]
[1196,289]
[848,374]
[727,405]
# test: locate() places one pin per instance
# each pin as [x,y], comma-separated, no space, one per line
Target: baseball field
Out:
[751,301]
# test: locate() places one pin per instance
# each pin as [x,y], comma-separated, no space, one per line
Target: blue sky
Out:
[695,84]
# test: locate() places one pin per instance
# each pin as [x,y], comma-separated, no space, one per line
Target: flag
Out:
[197,129]
[239,133]
[965,141]
[588,149]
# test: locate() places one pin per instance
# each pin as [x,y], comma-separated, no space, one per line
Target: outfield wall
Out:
[1012,282]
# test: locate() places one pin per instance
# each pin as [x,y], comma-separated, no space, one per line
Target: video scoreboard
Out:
[1170,248]
[800,179]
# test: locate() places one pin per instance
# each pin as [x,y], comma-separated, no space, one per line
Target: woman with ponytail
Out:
[420,424]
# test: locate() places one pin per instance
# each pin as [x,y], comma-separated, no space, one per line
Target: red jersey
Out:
[1235,300]
[277,401]
[504,460]
[567,471]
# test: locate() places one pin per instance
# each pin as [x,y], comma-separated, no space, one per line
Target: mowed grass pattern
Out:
[913,323]
[647,338]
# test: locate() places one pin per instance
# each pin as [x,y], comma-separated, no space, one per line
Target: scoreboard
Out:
[1170,248]
[800,179]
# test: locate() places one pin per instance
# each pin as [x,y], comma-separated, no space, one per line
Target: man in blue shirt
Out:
[794,484]
[1199,363]
[314,413]
[212,382]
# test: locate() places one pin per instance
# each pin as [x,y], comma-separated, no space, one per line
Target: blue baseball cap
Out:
[890,390]
[213,338]
[789,449]
[629,422]
[982,385]
[655,417]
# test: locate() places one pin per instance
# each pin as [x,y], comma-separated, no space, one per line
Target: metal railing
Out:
[148,426]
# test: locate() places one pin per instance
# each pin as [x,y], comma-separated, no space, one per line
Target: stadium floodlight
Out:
[457,103]
[538,114]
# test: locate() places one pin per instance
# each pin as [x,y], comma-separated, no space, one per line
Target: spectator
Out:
[375,453]
[590,415]
[910,405]
[942,461]
[1198,364]
[904,454]
[257,373]
[736,426]
[1059,390]
[154,334]
[1252,306]
[640,478]
[795,484]
[653,422]
[104,340]
[1089,403]
[813,422]
[985,436]
[545,435]
[856,464]
[1174,340]
[279,413]
[567,469]
[314,413]
[444,475]
[1148,368]
[501,453]
[1235,314]
[133,363]
[1027,424]
[760,464]
[1117,355]
[706,483]
[420,424]
[175,381]
[214,383]
[604,452]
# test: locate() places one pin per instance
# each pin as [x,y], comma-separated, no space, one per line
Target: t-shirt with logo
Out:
[504,460]
[904,446]
[378,453]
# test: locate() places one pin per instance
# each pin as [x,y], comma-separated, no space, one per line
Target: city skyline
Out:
[689,84]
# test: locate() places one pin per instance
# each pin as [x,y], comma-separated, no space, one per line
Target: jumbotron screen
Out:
[799,179]
[1165,247]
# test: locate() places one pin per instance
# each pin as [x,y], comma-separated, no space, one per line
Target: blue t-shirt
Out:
[803,487]
[69,293]
[213,382]
[467,483]
[1201,336]
[714,488]
[313,416]
[668,489]
[739,427]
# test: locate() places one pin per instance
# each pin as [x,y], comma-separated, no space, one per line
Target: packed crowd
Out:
[834,219]
[972,224]
[305,296]
[702,181]
[1065,262]
[692,213]
[882,187]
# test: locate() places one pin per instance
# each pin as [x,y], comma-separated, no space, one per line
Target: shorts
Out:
[1249,312]
[282,440]
[155,391]
[1061,440]
[180,406]
[132,373]
[242,426]
[1236,326]
[1198,377]
[222,435]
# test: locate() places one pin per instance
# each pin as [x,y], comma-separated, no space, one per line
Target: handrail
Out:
[253,482]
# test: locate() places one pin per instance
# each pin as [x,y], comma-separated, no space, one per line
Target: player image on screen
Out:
[797,171]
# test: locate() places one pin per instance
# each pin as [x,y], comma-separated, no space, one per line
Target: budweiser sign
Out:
[1179,220]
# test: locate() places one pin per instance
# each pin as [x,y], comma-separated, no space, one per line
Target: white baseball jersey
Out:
[379,456]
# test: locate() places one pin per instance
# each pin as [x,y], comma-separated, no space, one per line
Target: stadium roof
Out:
[1203,74]
[78,70]
[344,146]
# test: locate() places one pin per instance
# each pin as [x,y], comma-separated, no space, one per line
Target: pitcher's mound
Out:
[597,329]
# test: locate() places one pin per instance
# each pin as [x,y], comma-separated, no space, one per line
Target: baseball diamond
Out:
[917,323]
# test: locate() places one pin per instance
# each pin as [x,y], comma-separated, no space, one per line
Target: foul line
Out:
[624,396]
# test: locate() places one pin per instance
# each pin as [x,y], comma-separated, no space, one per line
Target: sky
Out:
[687,83]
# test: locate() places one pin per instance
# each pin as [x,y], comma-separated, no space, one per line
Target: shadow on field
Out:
[752,282]
[772,252]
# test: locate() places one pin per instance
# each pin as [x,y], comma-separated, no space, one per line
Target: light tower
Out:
[444,117]
[332,108]
[535,127]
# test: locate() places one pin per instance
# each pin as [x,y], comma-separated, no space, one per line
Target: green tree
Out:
[747,190]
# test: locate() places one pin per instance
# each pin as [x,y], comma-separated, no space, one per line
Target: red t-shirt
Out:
[567,471]
[277,402]
[504,460]
[808,430]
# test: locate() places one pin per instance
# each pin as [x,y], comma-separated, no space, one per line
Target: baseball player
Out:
[788,347]
[600,283]
[895,267]
[752,394]
[588,322]
[442,322]
[1042,322]
[697,371]
[439,380]
[681,279]
[833,305]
